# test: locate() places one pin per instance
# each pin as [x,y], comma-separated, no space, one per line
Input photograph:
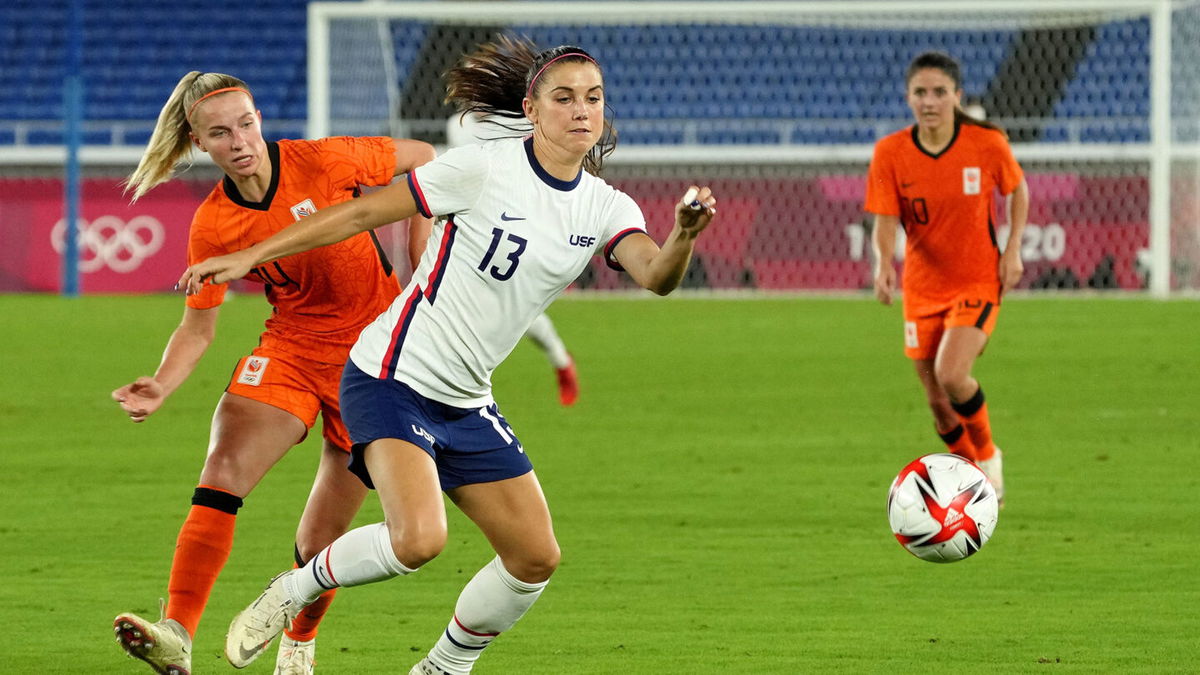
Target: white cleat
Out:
[994,469]
[165,644]
[253,629]
[295,657]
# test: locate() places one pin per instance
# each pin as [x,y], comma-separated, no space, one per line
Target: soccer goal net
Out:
[778,104]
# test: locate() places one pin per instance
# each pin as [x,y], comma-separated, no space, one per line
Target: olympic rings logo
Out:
[110,241]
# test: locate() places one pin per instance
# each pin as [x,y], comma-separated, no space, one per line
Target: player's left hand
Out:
[695,210]
[219,270]
[1011,270]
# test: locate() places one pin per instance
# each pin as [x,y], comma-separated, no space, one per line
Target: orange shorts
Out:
[297,385]
[925,323]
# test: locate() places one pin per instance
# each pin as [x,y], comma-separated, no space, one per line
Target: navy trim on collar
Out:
[564,185]
[231,190]
[917,141]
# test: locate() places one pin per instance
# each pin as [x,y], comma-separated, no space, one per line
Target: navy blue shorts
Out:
[469,445]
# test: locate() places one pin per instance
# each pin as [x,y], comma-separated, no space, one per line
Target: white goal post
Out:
[354,50]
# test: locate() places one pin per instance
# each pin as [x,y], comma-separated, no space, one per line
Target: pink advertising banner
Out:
[772,233]
[124,248]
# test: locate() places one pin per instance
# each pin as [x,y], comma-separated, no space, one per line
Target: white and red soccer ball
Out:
[942,508]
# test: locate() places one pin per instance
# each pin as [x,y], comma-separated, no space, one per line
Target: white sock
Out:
[361,556]
[489,605]
[542,332]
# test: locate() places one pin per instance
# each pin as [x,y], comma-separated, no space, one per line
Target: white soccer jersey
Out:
[509,238]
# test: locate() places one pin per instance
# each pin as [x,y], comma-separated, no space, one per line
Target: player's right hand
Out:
[218,270]
[140,398]
[885,284]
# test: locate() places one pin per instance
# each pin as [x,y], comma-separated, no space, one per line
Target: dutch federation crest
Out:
[972,179]
[303,209]
[253,370]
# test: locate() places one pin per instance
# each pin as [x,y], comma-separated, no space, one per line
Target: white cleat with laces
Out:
[295,657]
[994,469]
[165,645]
[253,629]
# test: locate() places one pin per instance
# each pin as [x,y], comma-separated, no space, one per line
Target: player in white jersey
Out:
[469,129]
[519,219]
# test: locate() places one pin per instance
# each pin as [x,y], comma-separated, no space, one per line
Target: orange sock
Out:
[204,543]
[304,626]
[974,414]
[959,442]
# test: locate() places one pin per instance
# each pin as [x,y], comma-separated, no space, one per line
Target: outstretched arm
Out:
[327,226]
[140,398]
[661,269]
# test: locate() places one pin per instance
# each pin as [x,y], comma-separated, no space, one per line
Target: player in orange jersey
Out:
[320,301]
[937,179]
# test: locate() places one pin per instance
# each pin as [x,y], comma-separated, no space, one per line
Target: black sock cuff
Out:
[299,561]
[970,406]
[217,499]
[951,437]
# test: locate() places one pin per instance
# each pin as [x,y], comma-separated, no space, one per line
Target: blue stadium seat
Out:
[1110,82]
[741,84]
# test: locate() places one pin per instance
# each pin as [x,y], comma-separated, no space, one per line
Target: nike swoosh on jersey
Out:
[504,216]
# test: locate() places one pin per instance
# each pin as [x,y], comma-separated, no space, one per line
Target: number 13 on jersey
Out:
[515,246]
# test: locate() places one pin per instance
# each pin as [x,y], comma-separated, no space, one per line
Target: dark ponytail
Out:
[493,82]
[945,63]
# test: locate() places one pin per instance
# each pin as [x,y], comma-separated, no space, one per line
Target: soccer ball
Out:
[942,508]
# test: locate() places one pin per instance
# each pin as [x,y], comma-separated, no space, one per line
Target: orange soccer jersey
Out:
[944,202]
[321,298]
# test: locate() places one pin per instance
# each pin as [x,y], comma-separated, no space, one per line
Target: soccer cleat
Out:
[994,469]
[165,644]
[568,384]
[426,667]
[253,629]
[295,657]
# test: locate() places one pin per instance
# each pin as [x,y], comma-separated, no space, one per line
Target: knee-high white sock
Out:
[361,556]
[489,605]
[542,332]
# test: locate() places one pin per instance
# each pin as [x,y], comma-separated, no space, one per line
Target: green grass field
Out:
[718,494]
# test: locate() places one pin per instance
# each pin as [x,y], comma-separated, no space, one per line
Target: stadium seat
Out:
[749,81]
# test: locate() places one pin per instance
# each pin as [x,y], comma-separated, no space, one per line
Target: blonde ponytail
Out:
[169,143]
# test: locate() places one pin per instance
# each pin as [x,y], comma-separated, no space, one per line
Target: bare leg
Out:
[248,437]
[946,421]
[406,479]
[956,356]
[336,497]
[513,515]
[944,416]
[959,348]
